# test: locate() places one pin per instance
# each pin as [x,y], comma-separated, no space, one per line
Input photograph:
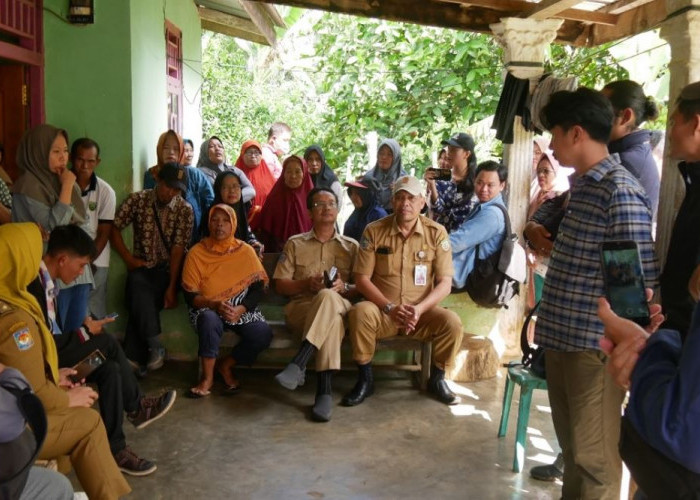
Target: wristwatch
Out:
[388,308]
[346,287]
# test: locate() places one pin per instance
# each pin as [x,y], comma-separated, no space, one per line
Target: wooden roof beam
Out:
[631,22]
[259,17]
[622,6]
[525,9]
[550,8]
[226,24]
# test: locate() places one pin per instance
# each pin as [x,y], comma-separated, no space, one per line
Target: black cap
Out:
[460,140]
[174,175]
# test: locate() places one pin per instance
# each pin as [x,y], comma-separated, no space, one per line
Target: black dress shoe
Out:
[442,392]
[363,389]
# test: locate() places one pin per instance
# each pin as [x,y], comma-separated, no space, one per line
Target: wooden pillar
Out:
[681,30]
[525,42]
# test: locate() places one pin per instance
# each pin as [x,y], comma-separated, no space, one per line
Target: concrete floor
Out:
[261,444]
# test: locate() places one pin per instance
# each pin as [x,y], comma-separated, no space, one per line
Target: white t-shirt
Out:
[100,203]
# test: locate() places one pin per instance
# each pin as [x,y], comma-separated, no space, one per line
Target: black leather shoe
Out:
[442,392]
[363,389]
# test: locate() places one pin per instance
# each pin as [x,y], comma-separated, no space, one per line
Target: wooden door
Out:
[13,112]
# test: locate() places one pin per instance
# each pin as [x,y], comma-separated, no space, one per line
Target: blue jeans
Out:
[72,304]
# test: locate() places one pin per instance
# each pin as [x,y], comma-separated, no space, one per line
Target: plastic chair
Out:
[528,382]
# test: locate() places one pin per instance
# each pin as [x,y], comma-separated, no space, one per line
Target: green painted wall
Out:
[149,111]
[107,81]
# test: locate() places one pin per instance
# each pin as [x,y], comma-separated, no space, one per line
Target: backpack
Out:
[495,280]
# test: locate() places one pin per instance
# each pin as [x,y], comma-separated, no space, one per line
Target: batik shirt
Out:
[176,220]
[452,206]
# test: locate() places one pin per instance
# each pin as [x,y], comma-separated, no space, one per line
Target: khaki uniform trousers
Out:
[586,407]
[79,433]
[320,319]
[368,324]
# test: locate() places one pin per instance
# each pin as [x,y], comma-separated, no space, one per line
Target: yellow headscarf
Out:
[220,270]
[20,254]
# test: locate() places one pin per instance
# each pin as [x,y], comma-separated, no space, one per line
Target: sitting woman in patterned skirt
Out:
[223,281]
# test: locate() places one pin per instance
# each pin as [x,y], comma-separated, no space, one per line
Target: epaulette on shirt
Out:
[5,308]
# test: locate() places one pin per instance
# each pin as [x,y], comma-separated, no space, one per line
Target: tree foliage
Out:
[414,83]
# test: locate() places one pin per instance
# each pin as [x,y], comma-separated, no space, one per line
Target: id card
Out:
[420,275]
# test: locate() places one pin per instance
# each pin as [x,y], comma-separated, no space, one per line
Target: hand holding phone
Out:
[330,276]
[113,315]
[624,280]
[441,174]
[88,365]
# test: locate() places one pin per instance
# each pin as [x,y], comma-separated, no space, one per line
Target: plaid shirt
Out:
[607,203]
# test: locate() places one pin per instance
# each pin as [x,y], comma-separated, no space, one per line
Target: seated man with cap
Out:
[162,225]
[404,269]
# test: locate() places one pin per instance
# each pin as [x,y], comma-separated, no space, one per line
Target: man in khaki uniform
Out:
[404,269]
[74,429]
[317,309]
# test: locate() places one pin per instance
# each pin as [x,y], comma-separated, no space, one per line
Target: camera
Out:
[330,276]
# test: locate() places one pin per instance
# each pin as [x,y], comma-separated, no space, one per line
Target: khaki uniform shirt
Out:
[304,256]
[391,261]
[21,347]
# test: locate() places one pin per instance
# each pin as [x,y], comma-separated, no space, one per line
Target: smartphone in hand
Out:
[330,276]
[88,365]
[624,280]
[113,315]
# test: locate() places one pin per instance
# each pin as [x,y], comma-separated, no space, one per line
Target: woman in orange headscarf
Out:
[223,281]
[251,162]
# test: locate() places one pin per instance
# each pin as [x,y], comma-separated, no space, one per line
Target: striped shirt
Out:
[607,203]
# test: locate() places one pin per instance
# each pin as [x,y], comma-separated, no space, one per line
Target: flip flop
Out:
[230,390]
[195,393]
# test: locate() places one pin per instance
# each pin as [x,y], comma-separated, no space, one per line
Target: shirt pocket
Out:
[307,265]
[386,264]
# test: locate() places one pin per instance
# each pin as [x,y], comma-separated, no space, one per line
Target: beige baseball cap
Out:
[409,184]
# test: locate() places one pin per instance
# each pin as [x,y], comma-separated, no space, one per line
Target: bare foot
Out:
[225,369]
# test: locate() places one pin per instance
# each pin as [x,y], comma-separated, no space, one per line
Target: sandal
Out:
[197,393]
[230,390]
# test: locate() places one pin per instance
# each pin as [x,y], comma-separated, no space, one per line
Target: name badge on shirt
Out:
[420,275]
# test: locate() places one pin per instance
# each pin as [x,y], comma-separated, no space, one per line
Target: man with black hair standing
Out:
[100,202]
[607,203]
[70,249]
[162,224]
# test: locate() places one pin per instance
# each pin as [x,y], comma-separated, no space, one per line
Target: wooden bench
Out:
[285,344]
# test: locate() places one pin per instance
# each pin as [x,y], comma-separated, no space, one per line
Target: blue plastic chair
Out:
[528,382]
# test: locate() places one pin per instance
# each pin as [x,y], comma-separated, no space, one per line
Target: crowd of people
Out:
[202,229]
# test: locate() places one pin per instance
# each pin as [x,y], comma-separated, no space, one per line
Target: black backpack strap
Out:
[524,344]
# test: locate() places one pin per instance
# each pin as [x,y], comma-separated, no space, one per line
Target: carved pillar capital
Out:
[524,42]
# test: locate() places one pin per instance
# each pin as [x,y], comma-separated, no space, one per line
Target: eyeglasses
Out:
[232,188]
[545,171]
[324,204]
[252,153]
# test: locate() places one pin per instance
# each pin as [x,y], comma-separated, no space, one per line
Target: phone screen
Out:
[624,281]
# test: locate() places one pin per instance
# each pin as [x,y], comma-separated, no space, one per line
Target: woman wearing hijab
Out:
[363,195]
[386,171]
[546,176]
[227,190]
[199,194]
[321,173]
[47,193]
[212,161]
[284,213]
[252,164]
[224,280]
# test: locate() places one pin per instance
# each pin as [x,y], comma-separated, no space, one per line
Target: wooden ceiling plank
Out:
[550,8]
[274,15]
[622,6]
[631,22]
[524,9]
[233,31]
